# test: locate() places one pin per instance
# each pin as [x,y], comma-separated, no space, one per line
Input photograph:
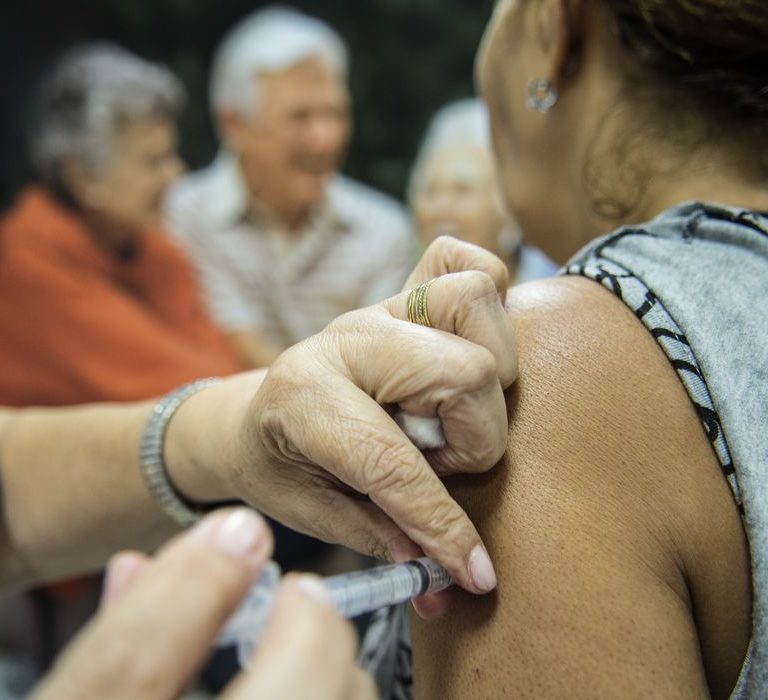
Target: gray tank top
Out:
[697,277]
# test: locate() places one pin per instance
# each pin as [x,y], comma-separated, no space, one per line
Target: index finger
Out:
[467,304]
[447,254]
[394,474]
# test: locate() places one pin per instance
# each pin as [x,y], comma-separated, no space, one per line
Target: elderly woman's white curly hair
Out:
[460,123]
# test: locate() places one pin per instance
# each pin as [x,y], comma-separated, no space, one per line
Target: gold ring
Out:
[417,305]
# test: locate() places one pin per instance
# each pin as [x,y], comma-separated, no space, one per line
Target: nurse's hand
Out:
[160,618]
[317,447]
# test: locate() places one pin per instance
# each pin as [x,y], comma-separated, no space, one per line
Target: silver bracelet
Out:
[151,461]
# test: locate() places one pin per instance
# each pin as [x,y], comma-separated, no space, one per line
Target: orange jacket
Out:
[79,325]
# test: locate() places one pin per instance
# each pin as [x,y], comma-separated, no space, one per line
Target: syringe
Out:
[351,594]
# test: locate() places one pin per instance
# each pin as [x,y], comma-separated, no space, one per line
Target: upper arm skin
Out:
[622,564]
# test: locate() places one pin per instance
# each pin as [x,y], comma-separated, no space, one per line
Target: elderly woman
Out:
[454,191]
[96,303]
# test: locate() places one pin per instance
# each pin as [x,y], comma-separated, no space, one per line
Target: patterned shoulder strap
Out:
[649,309]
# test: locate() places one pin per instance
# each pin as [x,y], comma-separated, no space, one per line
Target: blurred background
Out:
[409,57]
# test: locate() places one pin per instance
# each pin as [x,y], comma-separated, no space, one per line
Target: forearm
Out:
[72,491]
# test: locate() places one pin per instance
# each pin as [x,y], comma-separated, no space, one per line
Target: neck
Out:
[289,218]
[618,161]
[581,214]
[711,181]
[292,220]
[117,240]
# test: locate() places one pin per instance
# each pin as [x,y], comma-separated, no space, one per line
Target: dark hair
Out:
[717,50]
[708,60]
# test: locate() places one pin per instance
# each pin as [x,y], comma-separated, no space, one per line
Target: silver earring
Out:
[542,95]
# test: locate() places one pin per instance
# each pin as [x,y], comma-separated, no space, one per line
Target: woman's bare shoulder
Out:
[621,560]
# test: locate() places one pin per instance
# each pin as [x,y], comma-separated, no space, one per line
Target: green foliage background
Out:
[409,57]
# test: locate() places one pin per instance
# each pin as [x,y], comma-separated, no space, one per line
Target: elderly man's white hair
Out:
[271,39]
[460,123]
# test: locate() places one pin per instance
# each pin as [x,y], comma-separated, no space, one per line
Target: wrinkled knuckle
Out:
[489,454]
[351,322]
[499,274]
[510,363]
[379,551]
[340,326]
[290,357]
[375,546]
[395,469]
[480,286]
[481,368]
[448,519]
[477,460]
[443,246]
[350,339]
[286,376]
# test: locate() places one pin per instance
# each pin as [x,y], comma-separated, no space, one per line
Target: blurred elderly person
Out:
[96,302]
[284,242]
[453,190]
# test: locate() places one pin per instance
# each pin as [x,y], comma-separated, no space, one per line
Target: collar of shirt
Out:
[231,206]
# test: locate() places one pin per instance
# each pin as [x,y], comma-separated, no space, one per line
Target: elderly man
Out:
[283,241]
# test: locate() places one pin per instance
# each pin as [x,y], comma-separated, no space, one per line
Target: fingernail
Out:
[240,534]
[481,570]
[314,588]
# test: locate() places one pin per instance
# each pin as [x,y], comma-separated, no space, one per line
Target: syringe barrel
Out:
[365,591]
[352,594]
